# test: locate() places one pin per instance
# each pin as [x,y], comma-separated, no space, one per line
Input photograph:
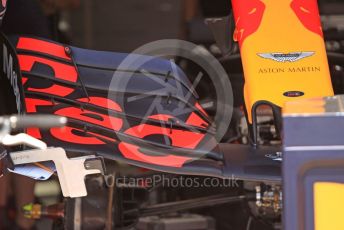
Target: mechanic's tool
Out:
[27,121]
[11,123]
[23,139]
[71,172]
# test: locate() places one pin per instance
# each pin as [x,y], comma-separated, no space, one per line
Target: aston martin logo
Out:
[282,57]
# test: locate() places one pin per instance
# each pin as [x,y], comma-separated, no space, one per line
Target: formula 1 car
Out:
[108,103]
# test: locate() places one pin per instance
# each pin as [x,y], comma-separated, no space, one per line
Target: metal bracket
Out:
[22,139]
[71,171]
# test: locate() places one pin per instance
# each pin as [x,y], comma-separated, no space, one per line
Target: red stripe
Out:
[42,47]
[34,132]
[196,120]
[31,107]
[132,152]
[24,80]
[309,18]
[247,22]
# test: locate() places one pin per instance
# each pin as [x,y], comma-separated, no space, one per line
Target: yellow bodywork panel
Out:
[328,206]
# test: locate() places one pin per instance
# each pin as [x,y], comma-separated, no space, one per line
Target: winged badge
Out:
[283,57]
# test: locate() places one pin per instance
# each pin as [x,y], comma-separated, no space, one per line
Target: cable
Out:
[249,222]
